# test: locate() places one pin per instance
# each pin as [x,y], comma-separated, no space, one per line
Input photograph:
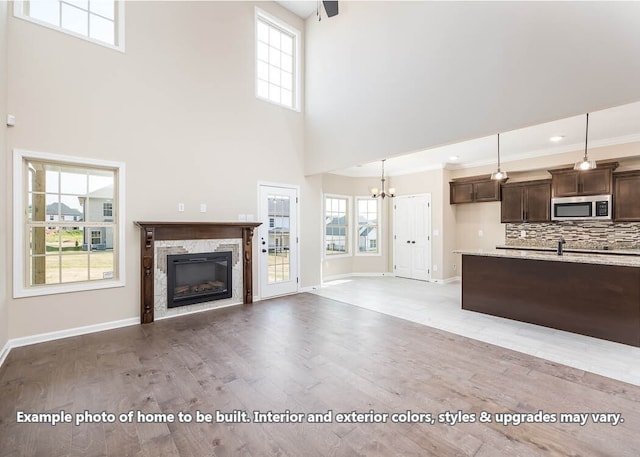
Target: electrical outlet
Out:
[435,268]
[480,233]
[454,266]
[181,207]
[203,207]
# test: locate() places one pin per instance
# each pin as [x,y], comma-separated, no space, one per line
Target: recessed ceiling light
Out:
[454,158]
[556,138]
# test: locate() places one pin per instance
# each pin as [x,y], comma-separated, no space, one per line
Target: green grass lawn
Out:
[70,267]
[66,240]
[278,266]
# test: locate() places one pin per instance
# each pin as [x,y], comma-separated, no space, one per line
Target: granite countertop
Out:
[575,257]
[577,250]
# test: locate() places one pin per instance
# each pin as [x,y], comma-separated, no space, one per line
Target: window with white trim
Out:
[77,247]
[367,225]
[277,51]
[336,232]
[99,21]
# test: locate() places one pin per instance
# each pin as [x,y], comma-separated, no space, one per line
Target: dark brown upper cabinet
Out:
[567,182]
[474,189]
[528,201]
[626,196]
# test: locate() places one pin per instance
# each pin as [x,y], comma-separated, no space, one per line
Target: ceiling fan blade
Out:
[331,7]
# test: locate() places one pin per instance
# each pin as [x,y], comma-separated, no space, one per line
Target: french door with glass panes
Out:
[278,240]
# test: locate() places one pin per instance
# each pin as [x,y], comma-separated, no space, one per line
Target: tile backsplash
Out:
[577,234]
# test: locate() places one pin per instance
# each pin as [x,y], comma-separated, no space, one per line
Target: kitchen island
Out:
[590,294]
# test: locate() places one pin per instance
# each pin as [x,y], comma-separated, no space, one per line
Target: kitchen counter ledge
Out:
[552,256]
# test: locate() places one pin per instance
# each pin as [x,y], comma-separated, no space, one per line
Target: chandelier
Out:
[375,192]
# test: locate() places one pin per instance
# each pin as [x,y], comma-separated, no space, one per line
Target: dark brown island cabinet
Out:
[567,182]
[598,300]
[474,189]
[528,201]
[626,196]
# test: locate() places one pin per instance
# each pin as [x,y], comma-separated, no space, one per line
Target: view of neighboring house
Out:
[279,225]
[61,212]
[336,235]
[367,237]
[97,207]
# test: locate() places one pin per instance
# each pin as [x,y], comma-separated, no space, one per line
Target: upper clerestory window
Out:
[98,21]
[277,61]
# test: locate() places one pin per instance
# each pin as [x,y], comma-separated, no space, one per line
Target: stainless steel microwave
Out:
[590,207]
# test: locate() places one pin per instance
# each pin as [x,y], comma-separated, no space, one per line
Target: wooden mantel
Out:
[155,231]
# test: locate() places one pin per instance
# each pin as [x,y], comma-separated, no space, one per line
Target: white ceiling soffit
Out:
[607,127]
[303,9]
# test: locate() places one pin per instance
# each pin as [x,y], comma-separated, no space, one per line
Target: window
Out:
[96,237]
[76,247]
[368,227]
[99,21]
[276,61]
[107,209]
[336,217]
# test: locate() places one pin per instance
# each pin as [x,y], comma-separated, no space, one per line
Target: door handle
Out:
[408,241]
[264,250]
[413,242]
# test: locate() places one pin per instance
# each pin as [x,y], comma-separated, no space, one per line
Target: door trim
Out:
[256,241]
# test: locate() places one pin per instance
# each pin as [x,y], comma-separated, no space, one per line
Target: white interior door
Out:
[412,236]
[278,240]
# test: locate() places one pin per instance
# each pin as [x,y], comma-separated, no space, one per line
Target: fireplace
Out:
[172,235]
[198,278]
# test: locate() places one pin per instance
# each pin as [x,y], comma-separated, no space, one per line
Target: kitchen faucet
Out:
[560,243]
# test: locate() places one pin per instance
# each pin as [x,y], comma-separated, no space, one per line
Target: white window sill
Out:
[35,291]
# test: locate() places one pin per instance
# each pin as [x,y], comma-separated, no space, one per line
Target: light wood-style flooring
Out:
[305,354]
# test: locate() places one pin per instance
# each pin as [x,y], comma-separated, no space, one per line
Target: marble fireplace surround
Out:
[158,236]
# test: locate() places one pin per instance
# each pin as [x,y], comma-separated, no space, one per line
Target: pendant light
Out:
[375,191]
[585,163]
[499,175]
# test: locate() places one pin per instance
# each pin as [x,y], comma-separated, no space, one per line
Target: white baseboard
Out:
[447,281]
[309,288]
[4,352]
[353,275]
[43,337]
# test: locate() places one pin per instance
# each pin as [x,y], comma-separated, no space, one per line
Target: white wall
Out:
[179,109]
[4,163]
[387,78]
